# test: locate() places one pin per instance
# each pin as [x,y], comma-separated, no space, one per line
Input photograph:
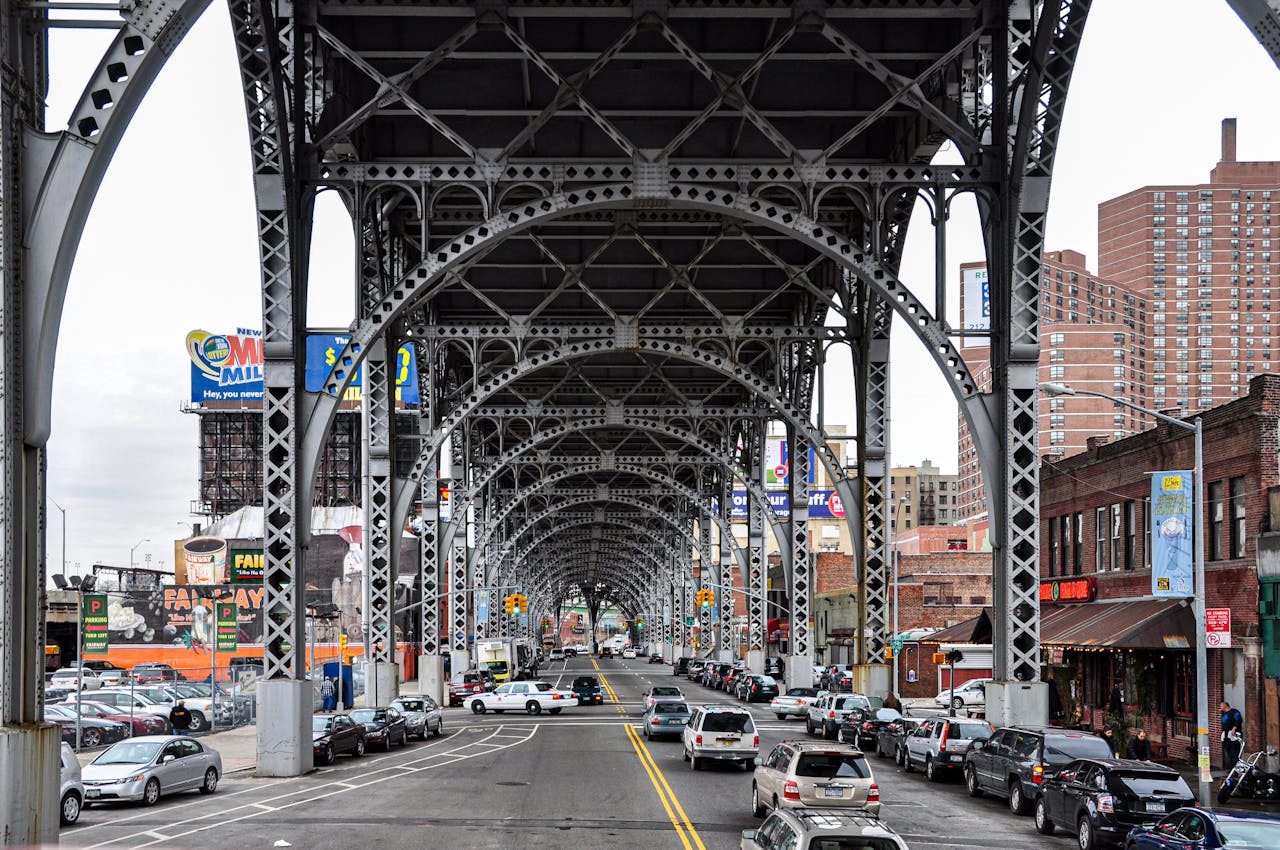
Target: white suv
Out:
[721,733]
[972,692]
[556,654]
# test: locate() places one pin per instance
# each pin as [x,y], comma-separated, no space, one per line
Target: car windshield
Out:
[1059,749]
[666,692]
[846,703]
[852,842]
[832,765]
[321,724]
[410,705]
[802,692]
[368,715]
[130,752]
[969,731]
[1152,784]
[1249,836]
[498,668]
[727,721]
[888,715]
[670,708]
[767,681]
[585,682]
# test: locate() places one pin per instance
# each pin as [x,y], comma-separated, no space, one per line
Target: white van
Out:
[556,654]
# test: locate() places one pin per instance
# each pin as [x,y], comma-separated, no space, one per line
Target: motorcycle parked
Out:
[1249,780]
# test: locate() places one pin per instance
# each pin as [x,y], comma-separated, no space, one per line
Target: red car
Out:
[466,683]
[151,674]
[143,724]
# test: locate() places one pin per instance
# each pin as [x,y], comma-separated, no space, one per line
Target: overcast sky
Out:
[171,246]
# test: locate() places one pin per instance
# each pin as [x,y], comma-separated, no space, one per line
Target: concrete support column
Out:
[29,767]
[382,683]
[459,660]
[284,718]
[431,679]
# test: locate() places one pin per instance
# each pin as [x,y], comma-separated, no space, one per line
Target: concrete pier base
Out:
[459,660]
[431,681]
[871,679]
[755,660]
[798,671]
[284,727]
[30,770]
[1017,704]
[383,684]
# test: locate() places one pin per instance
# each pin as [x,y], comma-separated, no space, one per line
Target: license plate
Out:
[1155,807]
[727,742]
[91,792]
[833,792]
[678,721]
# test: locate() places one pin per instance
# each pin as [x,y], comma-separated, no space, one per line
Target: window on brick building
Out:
[1064,543]
[1100,539]
[1052,531]
[1237,517]
[1113,562]
[1077,551]
[1130,533]
[1146,532]
[1215,521]
[1183,684]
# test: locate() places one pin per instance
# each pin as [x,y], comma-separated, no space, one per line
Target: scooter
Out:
[1248,780]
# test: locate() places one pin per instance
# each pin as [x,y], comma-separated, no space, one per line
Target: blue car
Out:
[1206,829]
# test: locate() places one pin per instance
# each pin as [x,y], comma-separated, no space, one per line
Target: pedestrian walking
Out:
[1232,734]
[891,701]
[1109,736]
[1139,746]
[181,719]
[328,695]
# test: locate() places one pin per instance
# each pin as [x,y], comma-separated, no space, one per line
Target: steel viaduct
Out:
[622,238]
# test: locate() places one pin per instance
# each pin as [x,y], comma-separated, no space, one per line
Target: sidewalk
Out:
[238,748]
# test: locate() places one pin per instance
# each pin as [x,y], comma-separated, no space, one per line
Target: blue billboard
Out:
[323,351]
[1172,534]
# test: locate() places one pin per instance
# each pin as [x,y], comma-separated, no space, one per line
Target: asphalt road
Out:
[514,781]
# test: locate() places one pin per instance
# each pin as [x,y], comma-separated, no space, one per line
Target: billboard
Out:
[228,625]
[225,367]
[203,561]
[777,463]
[1172,534]
[976,295]
[823,504]
[247,566]
[228,367]
[93,612]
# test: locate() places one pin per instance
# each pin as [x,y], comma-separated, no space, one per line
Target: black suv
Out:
[588,691]
[1013,762]
[681,667]
[1101,799]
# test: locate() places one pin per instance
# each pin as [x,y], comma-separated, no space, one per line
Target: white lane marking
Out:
[308,794]
[156,835]
[173,808]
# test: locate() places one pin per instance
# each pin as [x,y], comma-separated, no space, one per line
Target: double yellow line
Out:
[608,689]
[688,835]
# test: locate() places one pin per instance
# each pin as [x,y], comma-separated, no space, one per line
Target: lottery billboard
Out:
[225,367]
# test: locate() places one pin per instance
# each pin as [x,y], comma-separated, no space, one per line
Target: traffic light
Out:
[639,625]
[517,604]
[342,644]
[509,603]
[705,598]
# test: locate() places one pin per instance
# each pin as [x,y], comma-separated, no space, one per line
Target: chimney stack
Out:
[1228,140]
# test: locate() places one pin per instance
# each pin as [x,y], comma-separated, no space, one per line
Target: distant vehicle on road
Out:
[662,693]
[862,727]
[655,657]
[557,654]
[466,683]
[827,713]
[807,774]
[335,734]
[665,718]
[720,733]
[588,691]
[939,744]
[629,652]
[145,768]
[890,740]
[529,697]
[794,703]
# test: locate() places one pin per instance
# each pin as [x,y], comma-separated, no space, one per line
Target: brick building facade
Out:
[1095,525]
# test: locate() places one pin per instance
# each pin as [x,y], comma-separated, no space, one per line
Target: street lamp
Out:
[1197,600]
[135,548]
[897,510]
[64,535]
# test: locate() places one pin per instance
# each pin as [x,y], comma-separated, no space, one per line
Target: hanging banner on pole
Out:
[228,625]
[93,614]
[1172,534]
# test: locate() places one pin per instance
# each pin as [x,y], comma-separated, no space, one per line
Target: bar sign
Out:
[227,625]
[94,623]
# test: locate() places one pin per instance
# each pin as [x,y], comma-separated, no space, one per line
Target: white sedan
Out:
[531,697]
[629,652]
[70,677]
[972,692]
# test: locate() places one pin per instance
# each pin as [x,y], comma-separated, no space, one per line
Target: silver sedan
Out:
[421,715]
[144,768]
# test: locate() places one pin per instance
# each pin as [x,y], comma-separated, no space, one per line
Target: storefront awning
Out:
[977,630]
[1141,624]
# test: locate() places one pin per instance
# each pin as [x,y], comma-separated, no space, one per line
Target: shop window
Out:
[1114,561]
[1100,540]
[1064,540]
[1052,531]
[1184,678]
[1130,533]
[1215,521]
[1237,517]
[1077,551]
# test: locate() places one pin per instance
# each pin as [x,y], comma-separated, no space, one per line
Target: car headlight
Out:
[136,778]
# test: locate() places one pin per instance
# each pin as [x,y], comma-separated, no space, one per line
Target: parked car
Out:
[680,667]
[794,703]
[141,723]
[808,829]
[94,732]
[720,733]
[862,727]
[335,734]
[806,774]
[729,677]
[383,726]
[757,688]
[655,657]
[149,673]
[972,692]
[588,690]
[129,702]
[773,666]
[662,693]
[665,717]
[108,673]
[145,768]
[939,745]
[421,715]
[71,791]
[890,739]
[827,713]
[556,654]
[76,679]
[1207,829]
[1100,800]
[530,697]
[837,677]
[168,694]
[1013,762]
[466,683]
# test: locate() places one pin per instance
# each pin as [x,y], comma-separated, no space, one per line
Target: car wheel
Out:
[151,793]
[782,716]
[957,703]
[1084,834]
[808,726]
[1017,802]
[90,737]
[439,730]
[756,809]
[554,710]
[684,754]
[533,707]
[930,772]
[197,722]
[211,778]
[359,750]
[69,812]
[897,756]
[971,781]
[477,707]
[1044,826]
[695,762]
[327,756]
